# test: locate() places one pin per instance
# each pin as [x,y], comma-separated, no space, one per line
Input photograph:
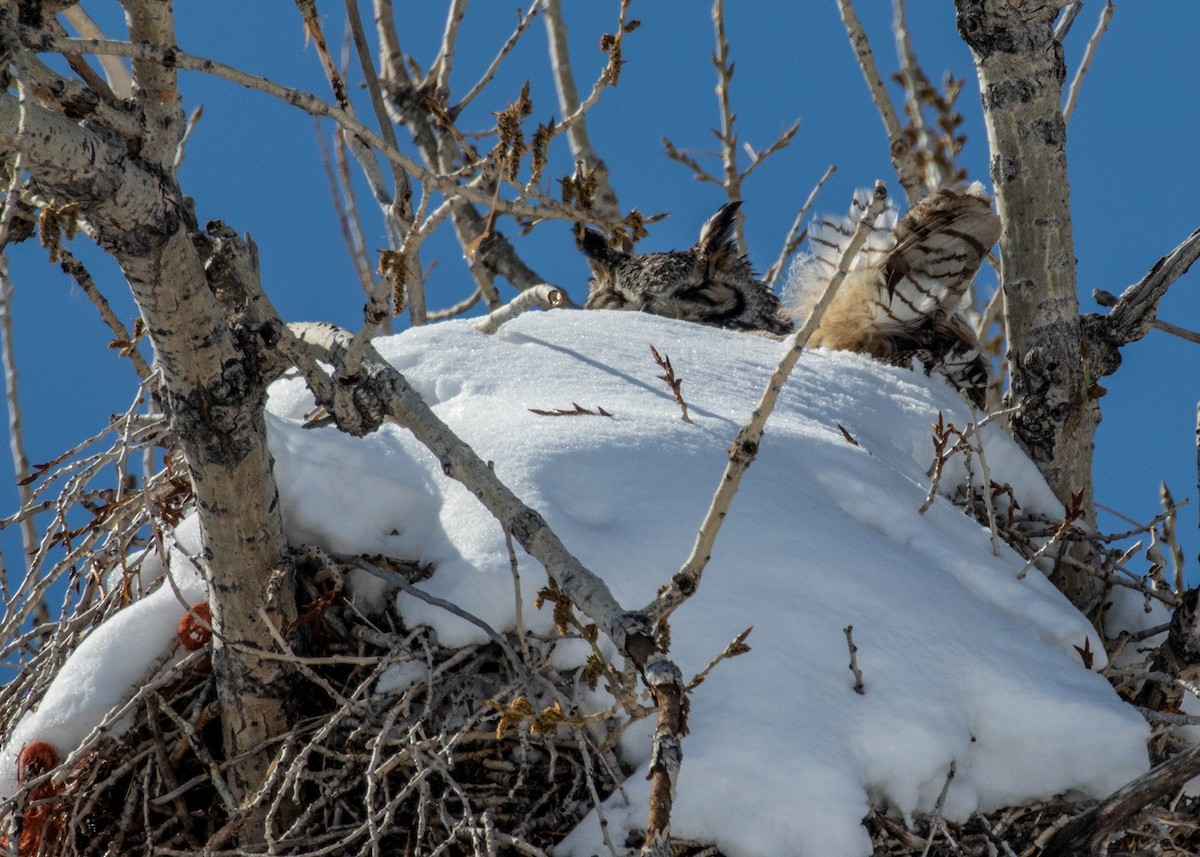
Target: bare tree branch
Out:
[545,207]
[120,81]
[1087,828]
[439,72]
[1067,17]
[605,200]
[1132,315]
[903,158]
[396,210]
[345,206]
[543,297]
[399,213]
[797,233]
[122,338]
[384,392]
[523,23]
[1089,54]
[732,181]
[16,433]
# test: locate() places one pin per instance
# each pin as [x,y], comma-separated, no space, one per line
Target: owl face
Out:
[709,283]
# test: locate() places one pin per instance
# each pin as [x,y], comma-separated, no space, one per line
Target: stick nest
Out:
[420,769]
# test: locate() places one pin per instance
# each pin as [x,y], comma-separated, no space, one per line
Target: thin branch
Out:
[1066,19]
[439,71]
[189,129]
[910,75]
[728,137]
[341,194]
[988,503]
[604,201]
[391,57]
[16,438]
[1176,330]
[398,212]
[1088,54]
[737,646]
[523,23]
[673,382]
[127,343]
[681,155]
[120,81]
[939,808]
[311,104]
[462,307]
[607,77]
[759,157]
[903,157]
[402,206]
[399,581]
[686,581]
[16,433]
[796,234]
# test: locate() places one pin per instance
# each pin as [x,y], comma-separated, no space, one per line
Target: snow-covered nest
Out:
[964,661]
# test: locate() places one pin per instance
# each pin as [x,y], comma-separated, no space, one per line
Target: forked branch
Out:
[1133,314]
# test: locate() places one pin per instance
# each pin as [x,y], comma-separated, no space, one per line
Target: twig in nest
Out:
[938,809]
[671,381]
[987,482]
[579,411]
[858,676]
[1073,513]
[1168,533]
[942,432]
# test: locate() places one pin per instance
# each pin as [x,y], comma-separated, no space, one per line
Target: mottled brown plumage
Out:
[901,299]
[710,283]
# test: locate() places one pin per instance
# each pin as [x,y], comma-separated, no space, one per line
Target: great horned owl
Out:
[901,298]
[710,282]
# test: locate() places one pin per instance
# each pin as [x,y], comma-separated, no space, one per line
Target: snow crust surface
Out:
[963,662]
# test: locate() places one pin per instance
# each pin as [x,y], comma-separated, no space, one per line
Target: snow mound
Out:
[963,662]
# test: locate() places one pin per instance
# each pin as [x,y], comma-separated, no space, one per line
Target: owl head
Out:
[710,282]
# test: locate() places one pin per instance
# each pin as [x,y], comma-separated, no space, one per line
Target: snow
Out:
[963,661]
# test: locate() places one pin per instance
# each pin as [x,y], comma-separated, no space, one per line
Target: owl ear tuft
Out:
[600,257]
[716,236]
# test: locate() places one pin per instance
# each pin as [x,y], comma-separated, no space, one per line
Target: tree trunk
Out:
[212,380]
[1021,72]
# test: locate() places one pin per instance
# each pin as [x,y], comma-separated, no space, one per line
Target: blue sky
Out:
[254,163]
